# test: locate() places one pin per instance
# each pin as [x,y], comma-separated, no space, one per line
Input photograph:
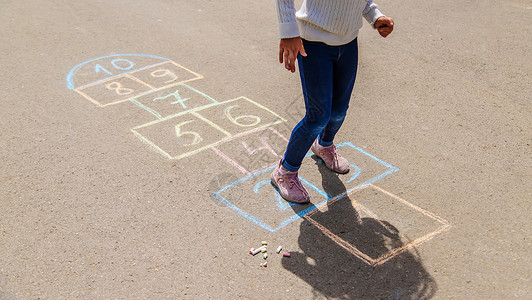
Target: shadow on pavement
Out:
[333,271]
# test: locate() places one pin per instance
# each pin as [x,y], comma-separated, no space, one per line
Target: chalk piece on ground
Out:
[286,254]
[251,250]
[258,250]
[264,249]
[264,243]
[265,255]
[279,249]
[264,264]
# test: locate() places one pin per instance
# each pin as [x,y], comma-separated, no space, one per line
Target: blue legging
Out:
[327,76]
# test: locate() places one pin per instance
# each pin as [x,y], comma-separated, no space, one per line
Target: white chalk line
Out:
[128,75]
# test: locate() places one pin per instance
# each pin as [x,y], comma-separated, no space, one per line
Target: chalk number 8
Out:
[118,88]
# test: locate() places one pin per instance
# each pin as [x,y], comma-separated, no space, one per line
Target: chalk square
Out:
[159,134]
[253,151]
[319,194]
[384,225]
[164,74]
[113,91]
[180,136]
[172,100]
[259,202]
[365,169]
[240,115]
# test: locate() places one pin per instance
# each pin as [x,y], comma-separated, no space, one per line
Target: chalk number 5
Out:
[196,137]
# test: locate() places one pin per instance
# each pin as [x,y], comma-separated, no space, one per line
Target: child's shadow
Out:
[335,272]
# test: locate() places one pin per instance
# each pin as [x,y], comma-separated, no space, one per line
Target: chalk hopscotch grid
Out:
[301,214]
[278,120]
[306,213]
[128,75]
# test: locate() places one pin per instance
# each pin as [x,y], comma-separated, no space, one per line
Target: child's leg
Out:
[344,74]
[316,71]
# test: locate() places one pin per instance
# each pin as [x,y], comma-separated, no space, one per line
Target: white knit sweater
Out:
[334,22]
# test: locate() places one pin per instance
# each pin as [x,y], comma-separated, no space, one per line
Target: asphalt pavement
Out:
[137,139]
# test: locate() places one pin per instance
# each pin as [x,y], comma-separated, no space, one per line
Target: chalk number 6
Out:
[253,119]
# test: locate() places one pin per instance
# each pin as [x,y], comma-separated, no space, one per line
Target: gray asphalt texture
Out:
[88,209]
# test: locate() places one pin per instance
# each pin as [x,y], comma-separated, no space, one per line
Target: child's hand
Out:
[384,26]
[288,50]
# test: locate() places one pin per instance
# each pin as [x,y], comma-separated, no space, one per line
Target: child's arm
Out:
[291,43]
[379,21]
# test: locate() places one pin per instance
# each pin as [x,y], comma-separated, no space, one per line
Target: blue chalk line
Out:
[301,214]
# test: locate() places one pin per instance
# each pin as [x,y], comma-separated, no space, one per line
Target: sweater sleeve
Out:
[371,13]
[286,13]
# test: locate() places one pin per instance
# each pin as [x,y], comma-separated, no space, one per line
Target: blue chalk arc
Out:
[122,63]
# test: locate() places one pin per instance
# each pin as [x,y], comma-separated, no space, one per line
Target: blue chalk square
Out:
[256,199]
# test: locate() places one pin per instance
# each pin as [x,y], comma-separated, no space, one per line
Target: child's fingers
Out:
[291,65]
[287,60]
[302,50]
[385,28]
[384,34]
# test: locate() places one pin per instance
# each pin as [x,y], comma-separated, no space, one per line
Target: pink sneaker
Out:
[289,186]
[333,160]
